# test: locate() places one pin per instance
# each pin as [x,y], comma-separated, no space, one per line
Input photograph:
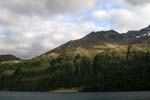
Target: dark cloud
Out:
[137,2]
[45,7]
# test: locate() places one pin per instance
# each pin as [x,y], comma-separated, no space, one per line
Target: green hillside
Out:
[114,69]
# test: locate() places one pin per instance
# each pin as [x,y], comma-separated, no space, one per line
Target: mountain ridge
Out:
[8,57]
[103,38]
[96,62]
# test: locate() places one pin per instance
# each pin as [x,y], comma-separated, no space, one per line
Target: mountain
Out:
[8,58]
[102,40]
[100,61]
[137,36]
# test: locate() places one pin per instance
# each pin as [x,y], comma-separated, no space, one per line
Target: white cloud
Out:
[126,20]
[125,15]
[101,15]
[32,27]
[35,26]
[34,36]
[132,17]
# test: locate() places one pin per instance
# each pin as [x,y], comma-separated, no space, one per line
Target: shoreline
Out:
[74,90]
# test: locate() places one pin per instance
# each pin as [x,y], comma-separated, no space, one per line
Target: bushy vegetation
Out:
[108,71]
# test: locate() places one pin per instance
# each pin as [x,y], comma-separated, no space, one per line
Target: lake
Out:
[75,96]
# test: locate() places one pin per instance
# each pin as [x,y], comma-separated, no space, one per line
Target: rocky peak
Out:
[105,37]
[148,26]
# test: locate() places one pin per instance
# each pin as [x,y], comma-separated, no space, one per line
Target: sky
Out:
[29,28]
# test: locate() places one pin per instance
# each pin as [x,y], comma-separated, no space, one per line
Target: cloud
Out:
[101,15]
[127,20]
[131,2]
[35,35]
[137,2]
[132,17]
[12,10]
[46,7]
[124,16]
[31,27]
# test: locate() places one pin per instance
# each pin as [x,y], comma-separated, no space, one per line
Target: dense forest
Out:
[122,68]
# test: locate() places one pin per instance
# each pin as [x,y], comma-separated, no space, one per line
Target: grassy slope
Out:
[42,73]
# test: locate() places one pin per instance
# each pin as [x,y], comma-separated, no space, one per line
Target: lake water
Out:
[75,96]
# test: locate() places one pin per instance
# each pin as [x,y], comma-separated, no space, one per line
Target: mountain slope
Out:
[8,58]
[104,40]
[88,42]
[100,61]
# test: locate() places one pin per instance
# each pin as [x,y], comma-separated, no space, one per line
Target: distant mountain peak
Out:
[111,31]
[103,38]
[107,31]
[8,57]
[101,33]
